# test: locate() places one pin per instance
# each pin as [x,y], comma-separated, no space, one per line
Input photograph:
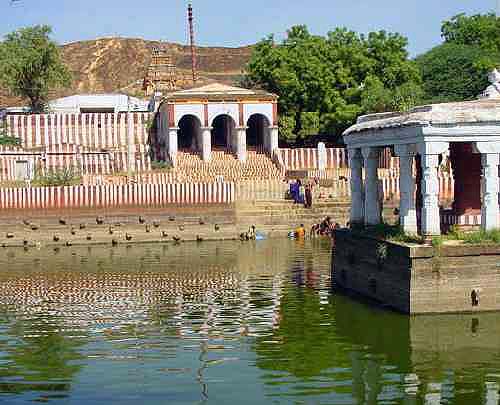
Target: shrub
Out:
[58,177]
[160,165]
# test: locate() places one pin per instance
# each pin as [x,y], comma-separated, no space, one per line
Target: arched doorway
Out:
[258,131]
[223,132]
[189,134]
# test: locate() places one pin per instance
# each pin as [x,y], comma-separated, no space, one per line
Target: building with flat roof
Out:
[216,116]
[91,103]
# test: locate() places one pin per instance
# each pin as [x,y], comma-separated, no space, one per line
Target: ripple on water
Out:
[223,323]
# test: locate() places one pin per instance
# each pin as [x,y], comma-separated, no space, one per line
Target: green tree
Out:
[31,65]
[482,30]
[309,124]
[321,80]
[5,137]
[455,72]
[286,125]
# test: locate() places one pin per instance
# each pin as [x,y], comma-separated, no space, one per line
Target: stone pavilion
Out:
[466,132]
[216,116]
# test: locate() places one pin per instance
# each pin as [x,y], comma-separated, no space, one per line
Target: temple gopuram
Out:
[162,75]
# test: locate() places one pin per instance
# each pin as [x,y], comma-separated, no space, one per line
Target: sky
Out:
[235,22]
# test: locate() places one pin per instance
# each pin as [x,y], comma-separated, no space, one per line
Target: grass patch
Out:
[479,237]
[54,178]
[393,233]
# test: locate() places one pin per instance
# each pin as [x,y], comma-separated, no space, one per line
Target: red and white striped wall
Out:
[110,196]
[93,143]
[336,158]
[307,158]
[98,130]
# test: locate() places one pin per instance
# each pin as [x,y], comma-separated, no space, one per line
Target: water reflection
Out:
[224,323]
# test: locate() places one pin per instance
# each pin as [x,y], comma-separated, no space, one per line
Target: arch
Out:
[265,109]
[216,109]
[257,131]
[189,133]
[181,110]
[223,132]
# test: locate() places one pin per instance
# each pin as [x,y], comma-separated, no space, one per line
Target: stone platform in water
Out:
[417,279]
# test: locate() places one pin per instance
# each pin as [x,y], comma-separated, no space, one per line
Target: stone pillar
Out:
[407,210]
[357,199]
[372,200]
[206,143]
[273,139]
[489,184]
[241,143]
[321,156]
[431,220]
[172,145]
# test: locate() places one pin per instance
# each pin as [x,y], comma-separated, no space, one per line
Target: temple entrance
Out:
[189,133]
[223,132]
[258,131]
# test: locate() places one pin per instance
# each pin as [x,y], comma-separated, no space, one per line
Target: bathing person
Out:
[301,193]
[300,232]
[251,233]
[294,191]
[308,195]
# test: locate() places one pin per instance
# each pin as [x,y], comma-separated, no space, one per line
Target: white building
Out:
[91,103]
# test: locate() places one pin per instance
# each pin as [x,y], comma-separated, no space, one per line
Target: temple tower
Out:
[162,73]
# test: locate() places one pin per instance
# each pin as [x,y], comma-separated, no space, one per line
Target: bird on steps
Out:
[176,239]
[35,227]
[26,222]
[164,234]
[62,221]
[73,231]
[199,238]
[89,237]
[142,220]
[56,238]
[99,220]
[171,219]
[156,224]
[217,227]
[83,226]
[128,237]
[111,231]
[201,222]
[9,235]
[114,242]
[69,243]
[25,242]
[148,228]
[181,227]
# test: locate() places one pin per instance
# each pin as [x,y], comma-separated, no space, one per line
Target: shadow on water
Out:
[224,323]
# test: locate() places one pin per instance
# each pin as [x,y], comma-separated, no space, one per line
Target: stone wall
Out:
[418,279]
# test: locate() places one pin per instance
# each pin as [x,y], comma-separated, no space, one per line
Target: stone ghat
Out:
[61,228]
[416,279]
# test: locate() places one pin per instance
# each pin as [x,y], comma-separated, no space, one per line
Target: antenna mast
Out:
[191,39]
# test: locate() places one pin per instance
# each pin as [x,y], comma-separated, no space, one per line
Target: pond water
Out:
[223,323]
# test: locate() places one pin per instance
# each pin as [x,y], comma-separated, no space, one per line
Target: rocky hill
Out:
[119,65]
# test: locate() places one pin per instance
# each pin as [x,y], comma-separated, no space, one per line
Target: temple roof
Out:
[483,111]
[218,91]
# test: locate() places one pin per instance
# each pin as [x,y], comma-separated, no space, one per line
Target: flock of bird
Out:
[101,221]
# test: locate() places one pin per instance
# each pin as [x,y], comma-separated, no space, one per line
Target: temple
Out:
[216,116]
[161,75]
[467,132]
